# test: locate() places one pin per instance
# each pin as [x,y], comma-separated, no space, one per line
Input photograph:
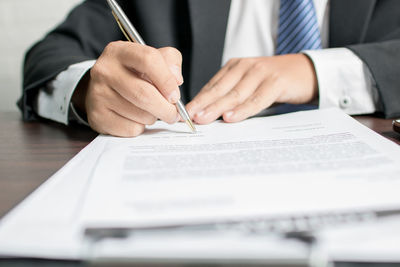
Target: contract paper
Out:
[288,166]
[301,163]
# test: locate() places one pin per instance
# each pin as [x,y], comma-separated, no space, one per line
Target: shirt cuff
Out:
[344,81]
[53,100]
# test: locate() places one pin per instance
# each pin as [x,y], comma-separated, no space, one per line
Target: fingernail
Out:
[176,70]
[229,114]
[174,97]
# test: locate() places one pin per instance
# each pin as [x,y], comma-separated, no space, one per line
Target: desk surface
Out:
[31,152]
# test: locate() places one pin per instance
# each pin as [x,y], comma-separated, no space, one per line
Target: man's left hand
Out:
[246,86]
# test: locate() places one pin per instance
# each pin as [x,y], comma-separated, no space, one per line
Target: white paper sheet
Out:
[49,223]
[312,162]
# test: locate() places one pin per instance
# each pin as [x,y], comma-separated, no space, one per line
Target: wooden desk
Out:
[31,152]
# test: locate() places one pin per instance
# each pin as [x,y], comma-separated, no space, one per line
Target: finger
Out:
[137,91]
[126,109]
[173,58]
[244,89]
[263,97]
[108,122]
[194,107]
[214,91]
[229,65]
[149,61]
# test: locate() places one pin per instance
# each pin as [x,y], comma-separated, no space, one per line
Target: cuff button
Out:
[345,102]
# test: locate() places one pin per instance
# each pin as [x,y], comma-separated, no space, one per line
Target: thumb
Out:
[173,58]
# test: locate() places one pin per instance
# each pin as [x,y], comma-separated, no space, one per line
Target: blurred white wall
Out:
[22,22]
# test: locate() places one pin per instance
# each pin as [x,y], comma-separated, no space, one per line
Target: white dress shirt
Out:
[344,81]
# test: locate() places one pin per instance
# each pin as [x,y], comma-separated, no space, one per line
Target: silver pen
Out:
[132,35]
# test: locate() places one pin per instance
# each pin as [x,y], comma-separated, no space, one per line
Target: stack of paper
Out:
[301,165]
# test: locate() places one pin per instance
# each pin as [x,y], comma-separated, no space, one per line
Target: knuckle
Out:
[273,77]
[97,93]
[246,63]
[235,96]
[129,130]
[234,61]
[217,88]
[259,66]
[169,83]
[251,60]
[140,95]
[173,52]
[98,71]
[135,129]
[113,46]
[235,93]
[256,101]
[150,55]
[151,120]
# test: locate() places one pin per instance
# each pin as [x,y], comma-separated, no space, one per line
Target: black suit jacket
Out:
[370,28]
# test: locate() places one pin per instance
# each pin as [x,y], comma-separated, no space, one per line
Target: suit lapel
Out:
[349,21]
[208,19]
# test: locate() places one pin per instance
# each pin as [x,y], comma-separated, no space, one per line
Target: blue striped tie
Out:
[298,27]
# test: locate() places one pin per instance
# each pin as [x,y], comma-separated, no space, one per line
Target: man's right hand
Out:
[131,86]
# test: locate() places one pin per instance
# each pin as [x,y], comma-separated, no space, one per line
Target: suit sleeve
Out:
[383,60]
[82,36]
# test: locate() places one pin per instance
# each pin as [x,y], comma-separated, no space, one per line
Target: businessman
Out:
[239,58]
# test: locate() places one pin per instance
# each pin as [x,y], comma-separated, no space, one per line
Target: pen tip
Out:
[191,125]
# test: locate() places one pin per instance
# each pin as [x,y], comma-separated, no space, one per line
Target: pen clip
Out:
[121,27]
